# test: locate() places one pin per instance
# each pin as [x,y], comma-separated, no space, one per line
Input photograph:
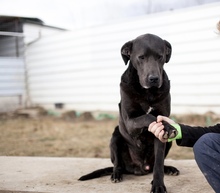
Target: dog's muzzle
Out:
[153,81]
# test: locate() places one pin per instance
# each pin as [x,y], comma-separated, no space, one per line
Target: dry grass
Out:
[49,136]
[55,137]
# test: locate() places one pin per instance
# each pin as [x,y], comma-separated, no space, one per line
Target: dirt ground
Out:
[71,135]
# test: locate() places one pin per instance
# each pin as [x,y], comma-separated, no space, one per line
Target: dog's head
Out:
[147,53]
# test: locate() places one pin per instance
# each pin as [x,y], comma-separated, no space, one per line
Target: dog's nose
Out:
[153,79]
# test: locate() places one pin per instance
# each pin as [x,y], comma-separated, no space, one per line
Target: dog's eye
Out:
[159,57]
[141,57]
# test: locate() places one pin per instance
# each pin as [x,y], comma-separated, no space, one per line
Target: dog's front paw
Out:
[158,189]
[116,176]
[170,131]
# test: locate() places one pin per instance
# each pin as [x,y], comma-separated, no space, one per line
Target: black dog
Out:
[144,95]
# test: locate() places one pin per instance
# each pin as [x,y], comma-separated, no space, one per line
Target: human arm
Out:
[190,134]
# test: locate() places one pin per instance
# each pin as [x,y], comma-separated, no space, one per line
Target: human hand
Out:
[157,128]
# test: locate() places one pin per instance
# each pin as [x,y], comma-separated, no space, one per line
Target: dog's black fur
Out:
[145,94]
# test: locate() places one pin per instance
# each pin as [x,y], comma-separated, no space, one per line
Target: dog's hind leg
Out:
[170,170]
[116,146]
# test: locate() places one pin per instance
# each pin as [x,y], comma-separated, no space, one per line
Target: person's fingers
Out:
[150,127]
[160,137]
[157,129]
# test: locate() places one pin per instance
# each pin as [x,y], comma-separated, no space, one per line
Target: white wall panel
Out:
[82,68]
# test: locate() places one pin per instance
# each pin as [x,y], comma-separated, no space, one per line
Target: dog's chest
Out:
[149,109]
[146,107]
[147,102]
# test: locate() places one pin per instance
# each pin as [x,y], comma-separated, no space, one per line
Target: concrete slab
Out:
[59,175]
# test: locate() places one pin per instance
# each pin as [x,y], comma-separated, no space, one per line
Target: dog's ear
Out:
[168,50]
[126,51]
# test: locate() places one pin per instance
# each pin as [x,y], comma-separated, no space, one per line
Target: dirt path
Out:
[59,175]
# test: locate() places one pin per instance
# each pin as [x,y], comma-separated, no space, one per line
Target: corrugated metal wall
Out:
[82,69]
[12,83]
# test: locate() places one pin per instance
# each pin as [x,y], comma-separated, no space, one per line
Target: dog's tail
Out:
[97,174]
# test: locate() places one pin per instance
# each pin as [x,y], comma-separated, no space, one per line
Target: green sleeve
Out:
[179,135]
